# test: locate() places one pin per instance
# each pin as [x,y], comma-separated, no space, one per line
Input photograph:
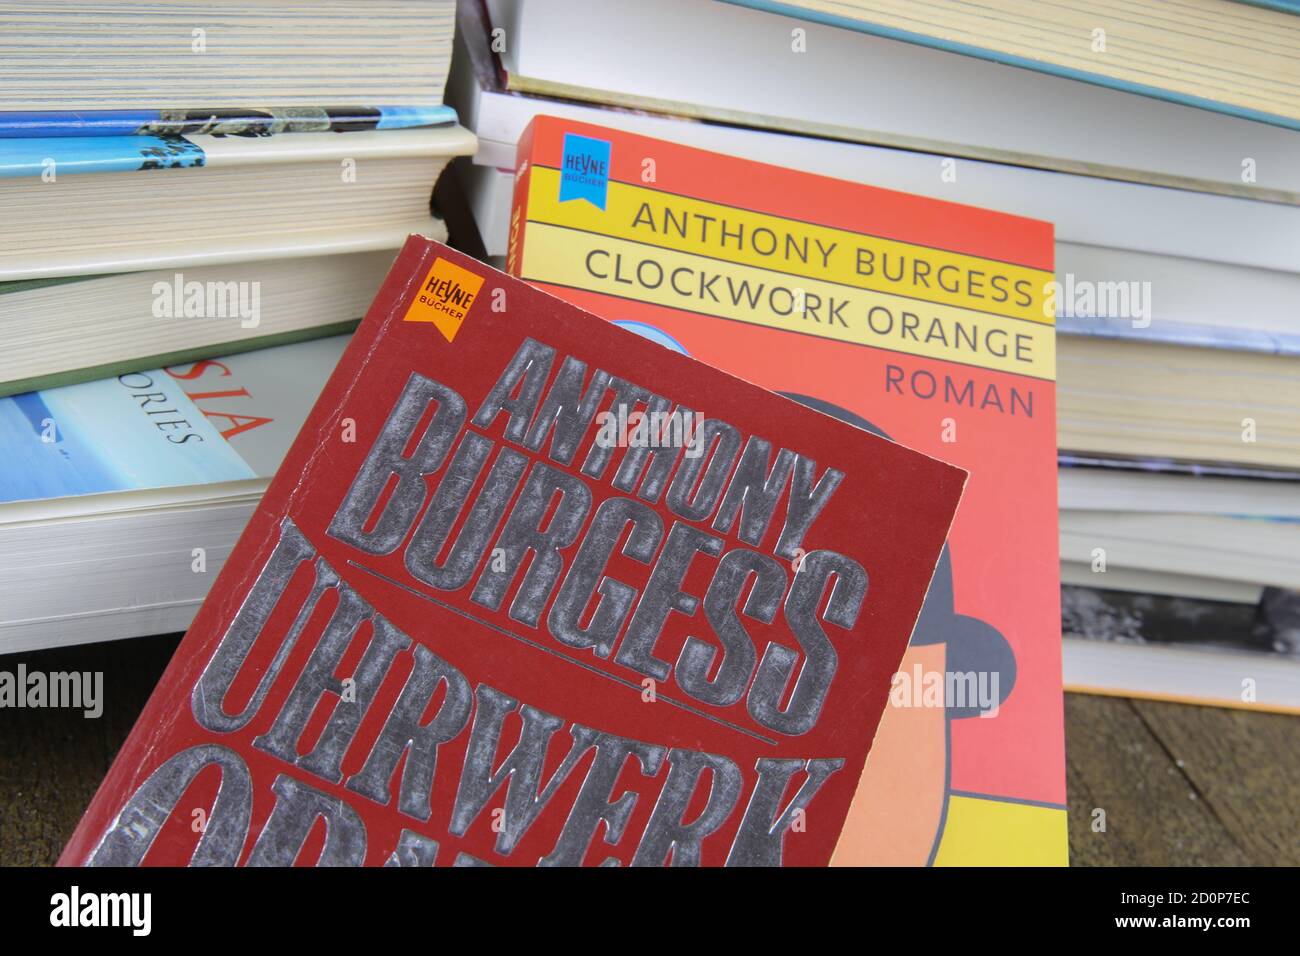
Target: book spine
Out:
[234,121]
[519,207]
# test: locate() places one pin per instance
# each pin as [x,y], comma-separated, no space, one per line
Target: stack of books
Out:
[1056,249]
[1170,177]
[200,200]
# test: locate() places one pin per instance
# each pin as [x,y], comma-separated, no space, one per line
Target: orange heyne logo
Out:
[445,297]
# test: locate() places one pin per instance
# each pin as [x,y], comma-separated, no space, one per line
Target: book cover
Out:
[923,320]
[530,589]
[194,423]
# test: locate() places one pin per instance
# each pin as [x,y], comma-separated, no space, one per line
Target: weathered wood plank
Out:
[1244,766]
[1117,762]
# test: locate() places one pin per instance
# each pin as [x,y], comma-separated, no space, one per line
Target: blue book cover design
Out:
[239,121]
[41,155]
[139,430]
[29,147]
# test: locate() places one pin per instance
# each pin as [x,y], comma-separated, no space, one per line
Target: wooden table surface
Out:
[1180,785]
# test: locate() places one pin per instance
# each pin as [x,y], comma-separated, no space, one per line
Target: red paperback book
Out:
[531,589]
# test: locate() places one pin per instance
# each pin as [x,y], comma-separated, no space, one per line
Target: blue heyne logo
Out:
[584,169]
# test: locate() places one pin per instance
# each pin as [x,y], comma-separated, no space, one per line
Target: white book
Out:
[1186,675]
[81,55]
[1183,301]
[85,205]
[1121,490]
[723,62]
[1087,212]
[60,331]
[1143,581]
[1251,551]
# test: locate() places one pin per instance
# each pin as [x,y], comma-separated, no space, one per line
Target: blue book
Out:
[197,423]
[219,122]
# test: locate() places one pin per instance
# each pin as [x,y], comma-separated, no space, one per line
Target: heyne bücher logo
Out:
[584,169]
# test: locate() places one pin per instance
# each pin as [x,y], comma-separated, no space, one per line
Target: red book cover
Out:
[530,589]
[926,321]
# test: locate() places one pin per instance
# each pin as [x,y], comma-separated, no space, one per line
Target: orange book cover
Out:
[925,321]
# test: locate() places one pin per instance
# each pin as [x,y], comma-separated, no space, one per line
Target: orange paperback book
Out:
[925,321]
